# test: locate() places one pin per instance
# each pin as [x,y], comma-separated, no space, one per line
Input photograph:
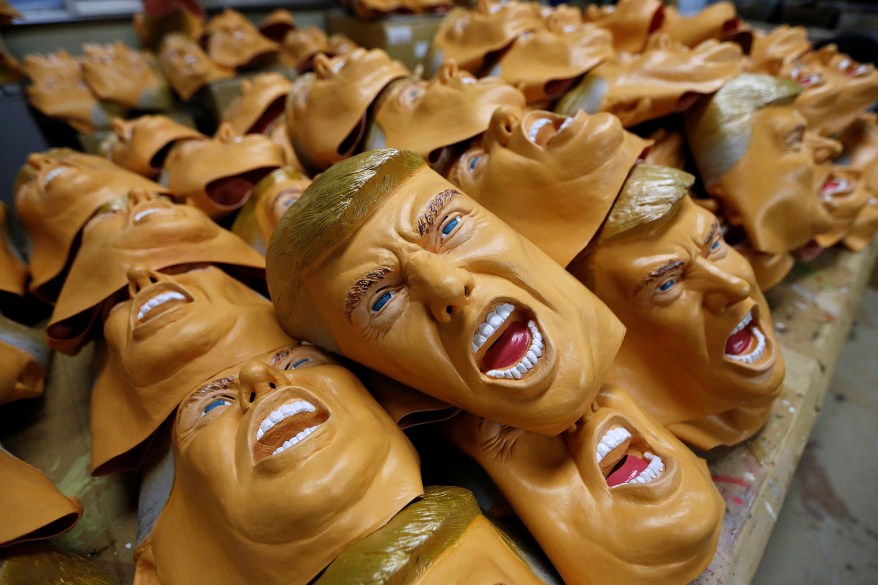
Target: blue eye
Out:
[667,285]
[715,245]
[382,300]
[473,162]
[449,227]
[215,404]
[298,363]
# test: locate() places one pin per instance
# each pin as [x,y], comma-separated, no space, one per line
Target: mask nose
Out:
[822,149]
[256,380]
[140,276]
[442,287]
[723,290]
[38,161]
[137,196]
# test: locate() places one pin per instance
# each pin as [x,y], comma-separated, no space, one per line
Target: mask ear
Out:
[144,565]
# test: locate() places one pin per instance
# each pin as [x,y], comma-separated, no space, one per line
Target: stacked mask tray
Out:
[812,309]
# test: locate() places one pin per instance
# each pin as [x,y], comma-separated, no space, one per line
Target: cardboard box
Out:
[404,37]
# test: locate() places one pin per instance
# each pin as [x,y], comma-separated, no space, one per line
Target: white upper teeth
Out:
[743,323]
[612,439]
[652,472]
[285,411]
[143,213]
[830,188]
[157,300]
[492,322]
[565,124]
[535,128]
[298,438]
[756,354]
[52,174]
[531,357]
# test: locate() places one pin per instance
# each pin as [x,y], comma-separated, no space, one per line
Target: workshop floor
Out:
[827,532]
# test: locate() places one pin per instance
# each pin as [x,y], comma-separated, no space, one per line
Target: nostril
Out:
[252,397]
[466,291]
[448,309]
[272,385]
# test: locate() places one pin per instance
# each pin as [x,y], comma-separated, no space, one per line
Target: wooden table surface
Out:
[813,310]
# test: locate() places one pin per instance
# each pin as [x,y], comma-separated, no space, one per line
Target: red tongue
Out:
[509,348]
[630,468]
[739,342]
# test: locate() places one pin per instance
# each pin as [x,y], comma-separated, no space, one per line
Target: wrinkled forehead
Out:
[632,249]
[414,204]
[778,122]
[401,218]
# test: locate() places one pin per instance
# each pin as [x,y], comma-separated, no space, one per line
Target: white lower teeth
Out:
[756,354]
[298,438]
[652,472]
[528,362]
[141,214]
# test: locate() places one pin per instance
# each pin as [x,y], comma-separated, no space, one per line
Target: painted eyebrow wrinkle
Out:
[221,384]
[426,219]
[658,273]
[281,354]
[714,228]
[361,287]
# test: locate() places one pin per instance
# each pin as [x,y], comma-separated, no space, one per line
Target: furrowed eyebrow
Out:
[426,219]
[281,354]
[361,287]
[714,228]
[658,273]
[221,384]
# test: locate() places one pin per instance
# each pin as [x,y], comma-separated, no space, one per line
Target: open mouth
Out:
[272,113]
[625,459]
[53,174]
[277,31]
[508,344]
[543,131]
[805,79]
[140,213]
[159,299]
[555,88]
[233,191]
[158,159]
[852,68]
[353,139]
[746,343]
[834,186]
[730,26]
[287,426]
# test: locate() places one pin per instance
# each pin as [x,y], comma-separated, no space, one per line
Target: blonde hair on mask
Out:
[651,193]
[719,129]
[331,209]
